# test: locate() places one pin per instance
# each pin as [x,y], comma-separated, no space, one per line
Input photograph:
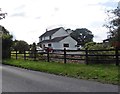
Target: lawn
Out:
[98,72]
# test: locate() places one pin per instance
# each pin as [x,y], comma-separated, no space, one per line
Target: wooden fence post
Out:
[10,53]
[24,55]
[117,58]
[16,54]
[64,55]
[35,52]
[48,59]
[86,51]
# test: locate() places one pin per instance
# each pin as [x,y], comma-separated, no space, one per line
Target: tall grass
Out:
[99,72]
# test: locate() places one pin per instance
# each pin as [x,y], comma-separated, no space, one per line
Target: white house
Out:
[57,38]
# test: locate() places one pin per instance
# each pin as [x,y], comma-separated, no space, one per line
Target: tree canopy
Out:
[2,15]
[20,45]
[114,26]
[82,36]
[6,38]
[6,42]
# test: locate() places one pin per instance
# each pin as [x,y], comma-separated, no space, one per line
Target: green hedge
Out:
[99,46]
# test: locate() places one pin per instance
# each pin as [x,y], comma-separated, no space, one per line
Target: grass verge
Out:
[98,72]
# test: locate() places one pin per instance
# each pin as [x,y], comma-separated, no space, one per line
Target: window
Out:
[50,37]
[41,38]
[65,45]
[49,45]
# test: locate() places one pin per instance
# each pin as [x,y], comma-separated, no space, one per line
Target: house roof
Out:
[50,32]
[57,39]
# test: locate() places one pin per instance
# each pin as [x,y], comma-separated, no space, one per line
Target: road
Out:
[22,80]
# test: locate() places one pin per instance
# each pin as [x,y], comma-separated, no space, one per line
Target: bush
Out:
[6,42]
[20,45]
[99,46]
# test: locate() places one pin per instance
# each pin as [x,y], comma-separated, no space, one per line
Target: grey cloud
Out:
[96,36]
[56,9]
[19,11]
[39,17]
[111,4]
[20,7]
[96,24]
[21,14]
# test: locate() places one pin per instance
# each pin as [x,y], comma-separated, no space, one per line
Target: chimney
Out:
[46,30]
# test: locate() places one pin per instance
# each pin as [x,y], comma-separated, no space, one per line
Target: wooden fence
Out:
[86,56]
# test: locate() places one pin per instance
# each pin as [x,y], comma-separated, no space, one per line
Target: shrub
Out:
[99,46]
[6,42]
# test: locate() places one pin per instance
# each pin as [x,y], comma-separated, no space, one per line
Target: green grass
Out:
[98,72]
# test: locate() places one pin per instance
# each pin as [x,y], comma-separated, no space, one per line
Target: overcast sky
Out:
[28,19]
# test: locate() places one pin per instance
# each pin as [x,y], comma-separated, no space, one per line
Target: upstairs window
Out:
[50,37]
[41,38]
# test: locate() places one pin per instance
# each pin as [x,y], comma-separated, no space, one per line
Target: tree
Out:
[33,50]
[82,36]
[6,42]
[20,45]
[114,26]
[2,15]
[6,38]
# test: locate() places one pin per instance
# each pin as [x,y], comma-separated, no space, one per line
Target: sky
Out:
[28,19]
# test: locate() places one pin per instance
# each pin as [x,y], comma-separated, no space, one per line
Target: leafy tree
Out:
[33,50]
[6,38]
[114,26]
[82,36]
[33,47]
[6,42]
[2,15]
[20,45]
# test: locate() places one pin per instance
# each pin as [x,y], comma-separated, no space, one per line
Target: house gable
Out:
[61,32]
[66,42]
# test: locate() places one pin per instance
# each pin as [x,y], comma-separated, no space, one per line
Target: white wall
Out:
[59,45]
[61,32]
[47,38]
[46,44]
[69,41]
[56,45]
[44,38]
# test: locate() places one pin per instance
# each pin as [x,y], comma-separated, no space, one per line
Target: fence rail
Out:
[71,55]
